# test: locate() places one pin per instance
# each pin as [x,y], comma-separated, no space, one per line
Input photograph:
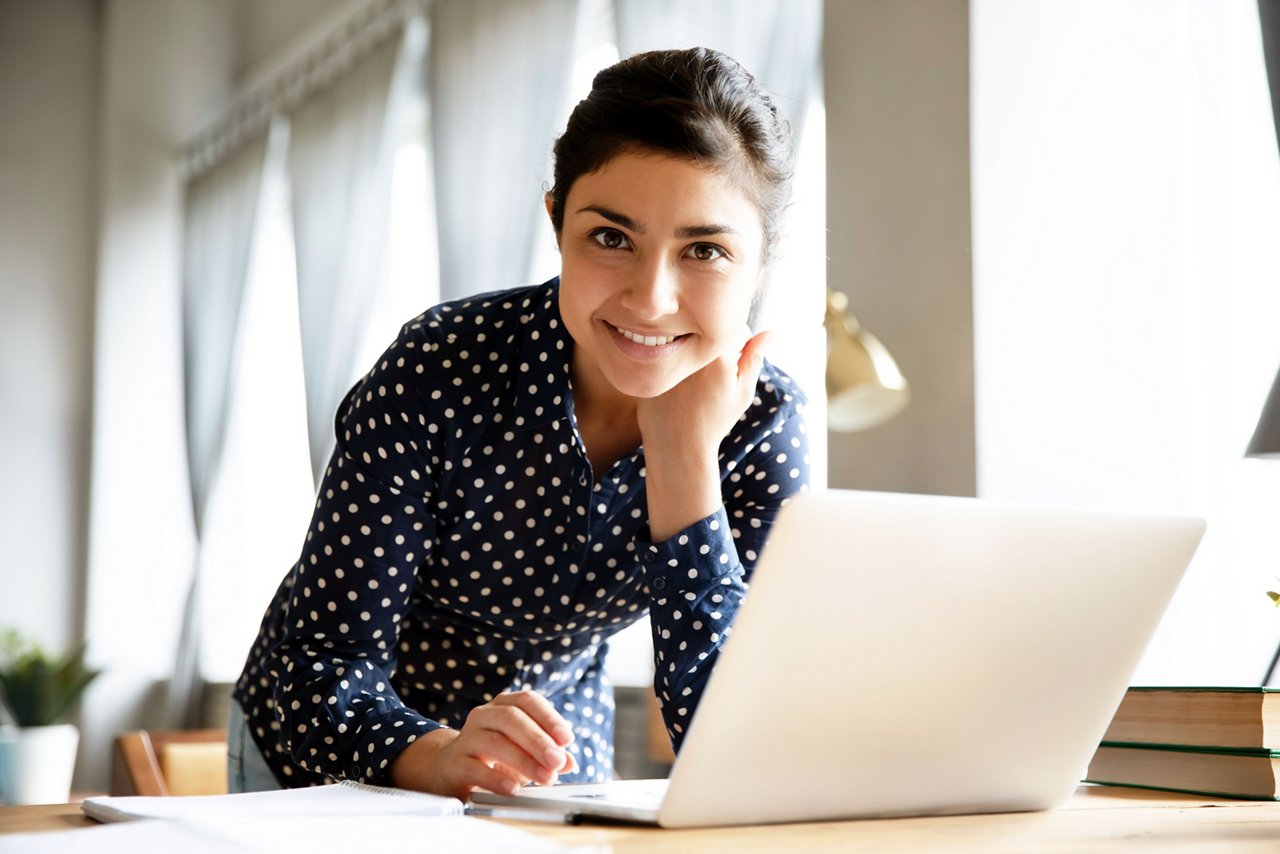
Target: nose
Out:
[652,292]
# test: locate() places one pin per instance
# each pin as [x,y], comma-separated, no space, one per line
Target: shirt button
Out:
[659,583]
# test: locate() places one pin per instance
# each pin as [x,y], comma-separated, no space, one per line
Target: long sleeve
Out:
[697,579]
[352,586]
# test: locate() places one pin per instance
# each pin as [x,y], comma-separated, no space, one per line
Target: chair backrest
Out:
[174,762]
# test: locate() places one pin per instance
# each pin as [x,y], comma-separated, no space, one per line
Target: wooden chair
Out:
[177,762]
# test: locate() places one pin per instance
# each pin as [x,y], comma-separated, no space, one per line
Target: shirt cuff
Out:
[385,739]
[700,555]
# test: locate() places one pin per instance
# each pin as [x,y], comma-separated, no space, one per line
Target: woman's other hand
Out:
[515,739]
[695,415]
[682,430]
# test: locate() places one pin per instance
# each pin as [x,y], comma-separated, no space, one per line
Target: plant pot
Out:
[36,763]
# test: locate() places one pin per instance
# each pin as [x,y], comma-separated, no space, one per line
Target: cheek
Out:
[730,307]
[587,283]
[579,298]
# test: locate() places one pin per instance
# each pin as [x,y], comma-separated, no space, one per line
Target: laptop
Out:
[904,655]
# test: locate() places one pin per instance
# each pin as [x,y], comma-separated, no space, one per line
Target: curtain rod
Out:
[251,112]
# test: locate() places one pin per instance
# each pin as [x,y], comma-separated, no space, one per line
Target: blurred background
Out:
[214,214]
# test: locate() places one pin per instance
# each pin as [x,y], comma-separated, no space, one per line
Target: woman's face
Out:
[661,259]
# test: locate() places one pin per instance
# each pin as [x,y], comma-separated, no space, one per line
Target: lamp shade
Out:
[1266,436]
[864,386]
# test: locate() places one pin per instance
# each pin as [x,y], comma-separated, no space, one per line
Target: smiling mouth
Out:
[646,340]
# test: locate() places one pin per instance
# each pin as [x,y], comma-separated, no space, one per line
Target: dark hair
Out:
[696,103]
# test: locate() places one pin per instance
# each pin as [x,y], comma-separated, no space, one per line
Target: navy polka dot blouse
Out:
[462,546]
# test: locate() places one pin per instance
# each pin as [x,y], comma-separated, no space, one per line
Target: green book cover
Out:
[1247,774]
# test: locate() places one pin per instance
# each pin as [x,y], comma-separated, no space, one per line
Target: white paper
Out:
[305,835]
[342,799]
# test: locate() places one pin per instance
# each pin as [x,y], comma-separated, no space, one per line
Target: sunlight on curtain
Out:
[410,275]
[1126,202]
[221,215]
[342,152]
[596,48]
[262,502]
[498,73]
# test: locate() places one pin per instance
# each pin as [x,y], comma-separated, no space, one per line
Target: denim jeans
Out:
[247,771]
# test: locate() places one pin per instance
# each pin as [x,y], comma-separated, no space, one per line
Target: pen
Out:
[521,814]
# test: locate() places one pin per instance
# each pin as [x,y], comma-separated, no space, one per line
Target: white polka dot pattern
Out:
[461,546]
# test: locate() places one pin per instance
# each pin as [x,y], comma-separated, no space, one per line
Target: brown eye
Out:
[610,238]
[706,252]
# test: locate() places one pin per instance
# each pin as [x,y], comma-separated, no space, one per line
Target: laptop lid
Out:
[911,655]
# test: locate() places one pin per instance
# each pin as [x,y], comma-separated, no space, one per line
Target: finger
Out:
[522,779]
[510,722]
[752,358]
[542,713]
[496,778]
[493,745]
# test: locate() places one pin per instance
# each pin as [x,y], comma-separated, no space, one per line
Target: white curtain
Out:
[220,217]
[776,40]
[342,148]
[498,75]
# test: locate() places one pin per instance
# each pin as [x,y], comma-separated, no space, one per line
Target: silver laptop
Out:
[908,655]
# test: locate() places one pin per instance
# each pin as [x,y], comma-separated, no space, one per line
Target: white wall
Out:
[48,66]
[164,67]
[897,100]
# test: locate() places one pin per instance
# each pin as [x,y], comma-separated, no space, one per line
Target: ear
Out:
[549,202]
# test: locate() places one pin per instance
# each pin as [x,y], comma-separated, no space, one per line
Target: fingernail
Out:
[510,787]
[553,758]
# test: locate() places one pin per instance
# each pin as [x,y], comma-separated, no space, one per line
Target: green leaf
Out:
[40,690]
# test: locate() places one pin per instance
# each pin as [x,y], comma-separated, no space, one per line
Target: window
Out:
[261,505]
[1126,198]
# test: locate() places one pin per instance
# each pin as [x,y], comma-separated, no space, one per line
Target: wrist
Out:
[415,766]
[680,493]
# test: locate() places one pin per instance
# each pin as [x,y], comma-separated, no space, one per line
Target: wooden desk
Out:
[1096,819]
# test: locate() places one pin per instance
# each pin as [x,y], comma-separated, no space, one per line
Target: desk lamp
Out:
[1265,444]
[864,385]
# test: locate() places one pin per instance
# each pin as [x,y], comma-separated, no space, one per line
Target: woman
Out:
[526,472]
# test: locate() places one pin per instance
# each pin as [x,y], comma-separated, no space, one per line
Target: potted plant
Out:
[37,748]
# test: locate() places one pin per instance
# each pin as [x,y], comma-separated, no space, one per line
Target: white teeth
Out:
[646,340]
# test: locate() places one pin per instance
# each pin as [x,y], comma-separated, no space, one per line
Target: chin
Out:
[644,388]
[644,391]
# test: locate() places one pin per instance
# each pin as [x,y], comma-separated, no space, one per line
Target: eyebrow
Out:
[686,231]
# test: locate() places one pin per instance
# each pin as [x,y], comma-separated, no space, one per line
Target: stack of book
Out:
[1208,741]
